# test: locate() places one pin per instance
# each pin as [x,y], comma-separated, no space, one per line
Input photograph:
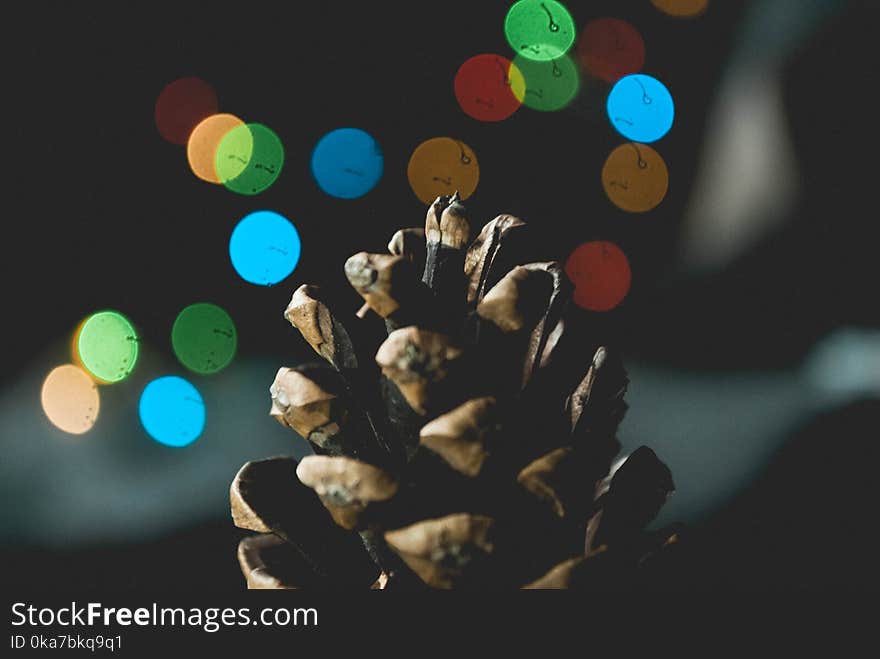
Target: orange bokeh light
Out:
[201,147]
[683,8]
[70,399]
[635,177]
[441,166]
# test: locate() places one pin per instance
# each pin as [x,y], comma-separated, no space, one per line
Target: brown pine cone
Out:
[473,448]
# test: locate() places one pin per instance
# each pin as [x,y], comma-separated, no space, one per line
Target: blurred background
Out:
[751,329]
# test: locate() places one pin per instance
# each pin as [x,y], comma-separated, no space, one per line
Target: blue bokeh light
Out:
[640,108]
[347,163]
[264,248]
[172,411]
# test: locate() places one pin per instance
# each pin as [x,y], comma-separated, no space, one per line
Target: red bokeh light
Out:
[483,88]
[610,48]
[180,107]
[600,273]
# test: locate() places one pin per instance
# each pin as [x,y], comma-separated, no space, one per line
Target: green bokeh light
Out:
[539,29]
[249,158]
[204,338]
[108,346]
[550,85]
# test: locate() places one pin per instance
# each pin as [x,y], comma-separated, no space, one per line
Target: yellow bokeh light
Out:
[517,82]
[440,166]
[683,8]
[70,399]
[74,344]
[201,148]
[635,177]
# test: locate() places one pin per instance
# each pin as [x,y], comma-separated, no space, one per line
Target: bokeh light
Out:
[264,248]
[488,87]
[74,352]
[108,346]
[539,29]
[440,166]
[681,8]
[204,338]
[549,85]
[70,399]
[249,158]
[172,411]
[234,153]
[640,108]
[201,148]
[181,105]
[600,273]
[610,48]
[635,177]
[347,163]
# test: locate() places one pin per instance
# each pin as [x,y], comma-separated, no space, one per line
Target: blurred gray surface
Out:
[719,430]
[715,431]
[748,178]
[115,483]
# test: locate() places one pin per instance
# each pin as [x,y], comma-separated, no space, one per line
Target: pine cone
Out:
[474,449]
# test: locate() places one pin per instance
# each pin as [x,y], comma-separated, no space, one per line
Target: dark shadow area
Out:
[805,524]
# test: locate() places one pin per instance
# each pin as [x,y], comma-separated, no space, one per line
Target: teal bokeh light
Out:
[264,248]
[347,163]
[640,108]
[172,411]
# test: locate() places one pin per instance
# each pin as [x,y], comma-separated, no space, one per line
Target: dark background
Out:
[105,214]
